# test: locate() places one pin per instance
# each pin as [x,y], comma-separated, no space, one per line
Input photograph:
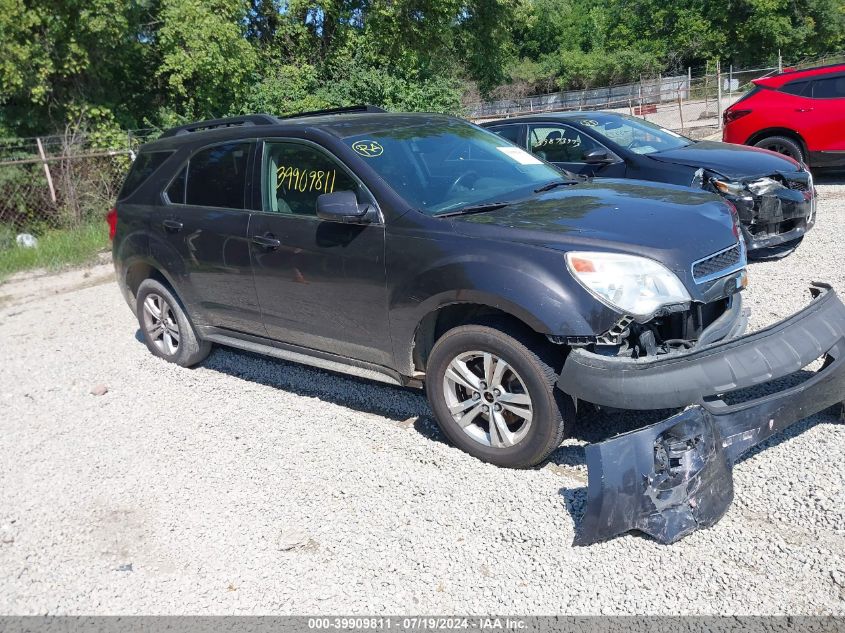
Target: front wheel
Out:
[494,396]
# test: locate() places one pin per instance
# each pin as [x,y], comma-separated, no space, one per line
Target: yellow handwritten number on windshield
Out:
[369,149]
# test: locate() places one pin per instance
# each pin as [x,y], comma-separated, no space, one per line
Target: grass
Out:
[56,249]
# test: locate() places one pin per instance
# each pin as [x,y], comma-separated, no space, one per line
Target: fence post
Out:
[730,82]
[681,111]
[719,92]
[641,96]
[46,169]
[780,62]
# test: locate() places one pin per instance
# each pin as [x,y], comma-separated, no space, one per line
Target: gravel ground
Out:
[254,486]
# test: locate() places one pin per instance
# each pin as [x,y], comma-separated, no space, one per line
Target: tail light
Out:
[732,115]
[111,218]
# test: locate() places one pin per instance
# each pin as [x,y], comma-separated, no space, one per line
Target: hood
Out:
[672,224]
[731,161]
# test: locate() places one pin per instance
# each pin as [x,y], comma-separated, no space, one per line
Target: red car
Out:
[799,113]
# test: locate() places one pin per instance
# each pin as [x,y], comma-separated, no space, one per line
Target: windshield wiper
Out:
[554,184]
[473,208]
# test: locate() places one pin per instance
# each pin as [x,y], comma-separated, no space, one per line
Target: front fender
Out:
[528,283]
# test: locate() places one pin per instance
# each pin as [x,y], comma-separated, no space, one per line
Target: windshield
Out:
[445,164]
[637,135]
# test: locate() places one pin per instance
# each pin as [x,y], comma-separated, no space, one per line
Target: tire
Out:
[172,338]
[526,375]
[782,145]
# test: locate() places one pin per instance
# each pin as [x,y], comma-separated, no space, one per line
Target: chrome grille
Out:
[718,264]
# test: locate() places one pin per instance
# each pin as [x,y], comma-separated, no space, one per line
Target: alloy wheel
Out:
[488,399]
[160,324]
[780,148]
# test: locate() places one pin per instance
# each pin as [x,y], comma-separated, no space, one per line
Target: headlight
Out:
[636,286]
[731,188]
[762,186]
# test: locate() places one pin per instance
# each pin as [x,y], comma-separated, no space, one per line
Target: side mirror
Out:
[342,206]
[597,156]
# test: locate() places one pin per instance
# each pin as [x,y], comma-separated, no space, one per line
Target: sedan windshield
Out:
[637,135]
[442,165]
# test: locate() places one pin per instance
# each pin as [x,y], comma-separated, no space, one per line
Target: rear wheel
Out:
[494,396]
[167,331]
[782,145]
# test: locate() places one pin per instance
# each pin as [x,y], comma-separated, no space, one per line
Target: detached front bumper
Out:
[673,477]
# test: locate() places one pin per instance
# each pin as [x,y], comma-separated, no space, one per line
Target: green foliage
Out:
[207,63]
[111,64]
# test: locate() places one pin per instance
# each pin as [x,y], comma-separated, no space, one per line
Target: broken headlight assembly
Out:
[736,189]
[627,283]
[759,187]
[763,186]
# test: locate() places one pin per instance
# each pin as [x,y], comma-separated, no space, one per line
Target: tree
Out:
[206,61]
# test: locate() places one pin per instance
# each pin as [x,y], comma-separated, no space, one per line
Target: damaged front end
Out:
[773,209]
[674,477]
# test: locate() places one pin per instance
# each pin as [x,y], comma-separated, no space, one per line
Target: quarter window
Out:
[794,87]
[217,176]
[142,168]
[560,143]
[297,175]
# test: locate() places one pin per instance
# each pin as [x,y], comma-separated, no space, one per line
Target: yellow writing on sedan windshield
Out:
[295,179]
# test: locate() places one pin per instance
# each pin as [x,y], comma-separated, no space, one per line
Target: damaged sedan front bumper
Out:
[674,477]
[773,210]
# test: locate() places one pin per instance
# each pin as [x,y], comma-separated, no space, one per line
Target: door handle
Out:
[268,241]
[803,109]
[172,226]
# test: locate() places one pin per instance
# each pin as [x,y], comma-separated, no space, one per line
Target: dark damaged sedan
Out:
[420,250]
[773,194]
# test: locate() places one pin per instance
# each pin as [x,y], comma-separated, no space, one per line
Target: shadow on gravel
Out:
[396,403]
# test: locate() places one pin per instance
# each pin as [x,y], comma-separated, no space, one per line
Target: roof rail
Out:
[343,110]
[210,124]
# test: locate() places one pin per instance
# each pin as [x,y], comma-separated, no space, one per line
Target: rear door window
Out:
[142,168]
[217,176]
[831,88]
[176,191]
[510,132]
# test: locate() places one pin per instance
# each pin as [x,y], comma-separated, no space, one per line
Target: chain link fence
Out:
[59,182]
